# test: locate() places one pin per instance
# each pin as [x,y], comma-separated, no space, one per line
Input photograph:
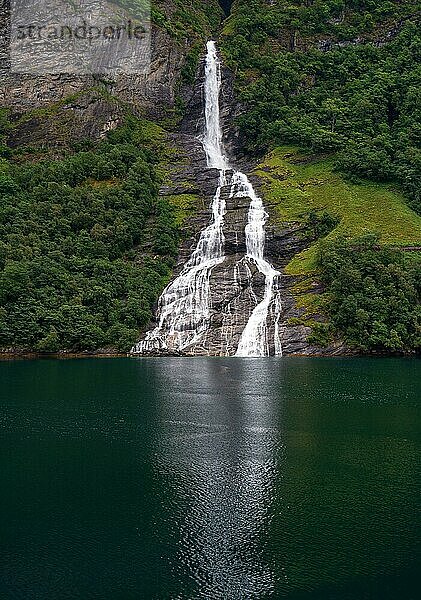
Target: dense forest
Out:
[86,245]
[333,76]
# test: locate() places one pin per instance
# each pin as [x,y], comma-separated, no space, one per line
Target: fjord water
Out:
[179,479]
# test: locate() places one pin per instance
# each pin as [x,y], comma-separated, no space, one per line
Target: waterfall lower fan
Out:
[221,305]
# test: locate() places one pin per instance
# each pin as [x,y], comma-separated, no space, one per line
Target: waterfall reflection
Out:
[217,443]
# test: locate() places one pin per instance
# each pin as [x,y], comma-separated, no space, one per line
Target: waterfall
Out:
[184,309]
[212,140]
[254,340]
[184,305]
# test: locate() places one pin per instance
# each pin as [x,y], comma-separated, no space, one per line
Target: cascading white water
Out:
[212,140]
[254,340]
[184,307]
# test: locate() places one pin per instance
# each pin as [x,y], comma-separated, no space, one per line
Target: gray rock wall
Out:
[152,93]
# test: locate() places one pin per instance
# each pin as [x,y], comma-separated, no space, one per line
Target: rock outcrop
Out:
[153,92]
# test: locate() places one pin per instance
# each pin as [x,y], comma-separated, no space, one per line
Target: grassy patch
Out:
[185,206]
[295,184]
[313,304]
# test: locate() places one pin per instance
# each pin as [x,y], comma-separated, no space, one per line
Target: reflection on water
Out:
[218,437]
[210,479]
[290,480]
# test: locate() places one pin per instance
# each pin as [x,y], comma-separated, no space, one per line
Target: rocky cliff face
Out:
[236,284]
[153,93]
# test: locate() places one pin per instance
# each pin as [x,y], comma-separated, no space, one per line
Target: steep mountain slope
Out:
[340,80]
[94,195]
[333,76]
[104,189]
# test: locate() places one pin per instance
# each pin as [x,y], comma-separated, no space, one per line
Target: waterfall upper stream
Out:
[243,318]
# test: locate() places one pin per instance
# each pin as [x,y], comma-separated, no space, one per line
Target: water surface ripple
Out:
[189,479]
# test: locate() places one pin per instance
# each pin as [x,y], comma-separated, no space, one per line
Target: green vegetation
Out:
[356,233]
[86,244]
[301,186]
[340,76]
[331,95]
[185,205]
[196,19]
[330,90]
[374,294]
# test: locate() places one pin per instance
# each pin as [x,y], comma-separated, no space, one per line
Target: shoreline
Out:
[27,355]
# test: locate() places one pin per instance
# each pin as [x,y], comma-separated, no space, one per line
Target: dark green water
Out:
[210,479]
